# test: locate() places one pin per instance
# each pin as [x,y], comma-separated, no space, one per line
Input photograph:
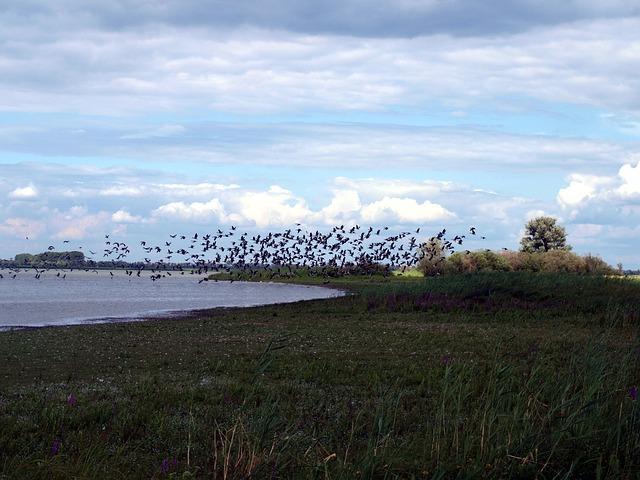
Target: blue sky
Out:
[140,119]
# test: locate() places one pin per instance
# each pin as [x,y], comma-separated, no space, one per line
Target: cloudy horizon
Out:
[143,119]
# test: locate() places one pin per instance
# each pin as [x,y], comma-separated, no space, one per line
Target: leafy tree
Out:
[543,234]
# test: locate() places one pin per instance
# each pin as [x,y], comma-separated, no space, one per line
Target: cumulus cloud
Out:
[581,189]
[280,207]
[199,212]
[277,207]
[630,180]
[403,210]
[30,192]
[122,216]
[342,209]
[591,199]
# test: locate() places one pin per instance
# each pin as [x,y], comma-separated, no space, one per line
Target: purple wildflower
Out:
[633,393]
[391,302]
[71,399]
[165,466]
[55,447]
[448,360]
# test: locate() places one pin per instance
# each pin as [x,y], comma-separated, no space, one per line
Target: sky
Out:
[143,119]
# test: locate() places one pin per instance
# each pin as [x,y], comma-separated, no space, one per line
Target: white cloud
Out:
[612,200]
[342,209]
[581,189]
[403,210]
[277,207]
[30,192]
[122,216]
[630,177]
[600,192]
[531,214]
[199,212]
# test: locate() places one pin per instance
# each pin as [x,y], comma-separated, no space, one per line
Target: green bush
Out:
[595,264]
[558,261]
[562,261]
[477,261]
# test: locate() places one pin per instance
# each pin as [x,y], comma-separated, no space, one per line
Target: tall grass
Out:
[436,378]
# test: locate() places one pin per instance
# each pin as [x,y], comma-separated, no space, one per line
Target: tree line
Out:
[51,259]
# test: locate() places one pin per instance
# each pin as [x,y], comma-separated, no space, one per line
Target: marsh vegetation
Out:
[486,375]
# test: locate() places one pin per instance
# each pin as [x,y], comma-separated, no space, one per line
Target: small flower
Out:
[633,393]
[55,447]
[71,399]
[448,360]
[165,466]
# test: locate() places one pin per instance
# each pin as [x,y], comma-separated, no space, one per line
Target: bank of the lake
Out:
[66,297]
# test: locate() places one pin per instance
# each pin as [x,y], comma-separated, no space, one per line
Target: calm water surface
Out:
[85,297]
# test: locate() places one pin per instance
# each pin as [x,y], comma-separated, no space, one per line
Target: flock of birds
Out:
[341,251]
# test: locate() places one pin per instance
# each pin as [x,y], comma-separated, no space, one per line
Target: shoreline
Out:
[176,314]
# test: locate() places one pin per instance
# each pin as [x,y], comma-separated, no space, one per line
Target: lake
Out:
[80,297]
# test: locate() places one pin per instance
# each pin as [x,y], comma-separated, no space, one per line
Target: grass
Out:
[475,376]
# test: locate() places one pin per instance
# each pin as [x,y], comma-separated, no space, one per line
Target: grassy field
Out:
[508,375]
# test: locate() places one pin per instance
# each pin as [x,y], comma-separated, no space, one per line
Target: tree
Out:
[542,234]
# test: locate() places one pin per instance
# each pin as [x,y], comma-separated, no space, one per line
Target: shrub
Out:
[489,261]
[595,264]
[552,261]
[458,263]
[562,261]
[477,261]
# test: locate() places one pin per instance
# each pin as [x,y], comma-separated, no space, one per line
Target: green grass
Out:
[475,376]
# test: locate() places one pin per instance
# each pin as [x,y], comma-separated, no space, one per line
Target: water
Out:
[84,297]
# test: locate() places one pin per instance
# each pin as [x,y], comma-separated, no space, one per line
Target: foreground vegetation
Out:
[494,375]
